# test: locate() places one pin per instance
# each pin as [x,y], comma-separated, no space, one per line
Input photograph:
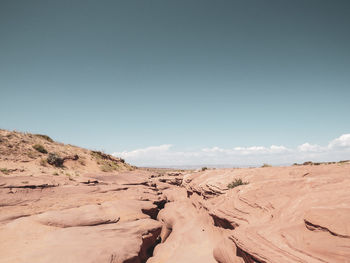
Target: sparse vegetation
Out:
[204,168]
[70,178]
[40,148]
[266,165]
[235,183]
[55,173]
[45,137]
[4,171]
[107,162]
[74,158]
[109,167]
[55,159]
[308,163]
[321,163]
[26,150]
[97,154]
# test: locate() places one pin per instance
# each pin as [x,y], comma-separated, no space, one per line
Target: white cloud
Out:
[279,148]
[152,150]
[247,150]
[307,147]
[165,155]
[340,142]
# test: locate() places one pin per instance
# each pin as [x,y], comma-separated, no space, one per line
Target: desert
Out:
[174,131]
[98,208]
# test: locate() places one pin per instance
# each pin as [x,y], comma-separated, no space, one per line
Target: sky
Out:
[181,82]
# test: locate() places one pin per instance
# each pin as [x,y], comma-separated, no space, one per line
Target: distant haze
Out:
[165,156]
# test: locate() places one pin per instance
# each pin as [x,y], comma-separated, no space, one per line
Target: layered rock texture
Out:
[272,214]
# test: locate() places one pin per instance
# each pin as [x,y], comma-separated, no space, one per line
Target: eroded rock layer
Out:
[272,214]
[282,214]
[58,220]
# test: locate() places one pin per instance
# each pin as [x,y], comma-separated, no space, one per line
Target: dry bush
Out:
[40,148]
[235,183]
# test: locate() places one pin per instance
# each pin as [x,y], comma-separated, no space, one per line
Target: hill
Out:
[29,154]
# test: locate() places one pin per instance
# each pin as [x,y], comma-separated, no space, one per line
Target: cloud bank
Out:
[165,155]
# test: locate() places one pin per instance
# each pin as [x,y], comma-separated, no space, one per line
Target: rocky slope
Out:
[273,214]
[28,154]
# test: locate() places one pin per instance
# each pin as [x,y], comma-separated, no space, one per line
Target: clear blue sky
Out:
[123,75]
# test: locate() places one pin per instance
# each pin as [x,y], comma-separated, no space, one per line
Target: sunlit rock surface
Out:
[82,213]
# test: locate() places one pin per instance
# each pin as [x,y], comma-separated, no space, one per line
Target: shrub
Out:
[235,183]
[204,168]
[4,171]
[55,159]
[45,137]
[39,148]
[98,155]
[308,163]
[266,165]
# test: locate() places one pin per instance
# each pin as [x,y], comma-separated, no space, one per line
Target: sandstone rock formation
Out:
[283,214]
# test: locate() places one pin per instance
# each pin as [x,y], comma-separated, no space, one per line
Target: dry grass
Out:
[26,150]
[235,183]
[43,136]
[4,171]
[40,148]
[107,162]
